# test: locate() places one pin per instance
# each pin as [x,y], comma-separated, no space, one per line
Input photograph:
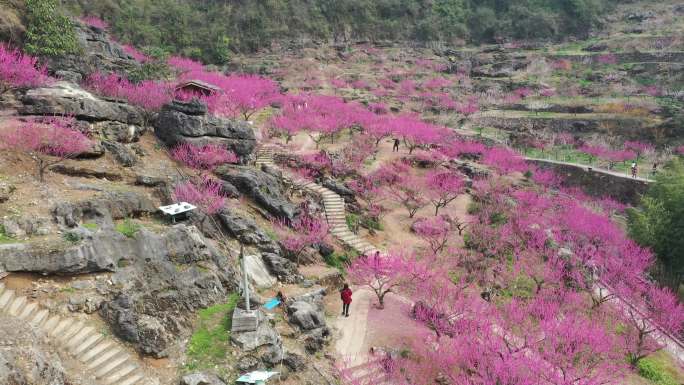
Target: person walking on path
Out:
[346,296]
[634,170]
[395,147]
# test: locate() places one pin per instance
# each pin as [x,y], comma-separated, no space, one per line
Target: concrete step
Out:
[6,299]
[50,324]
[61,327]
[110,366]
[103,358]
[40,317]
[95,351]
[17,306]
[80,337]
[132,380]
[28,310]
[86,344]
[71,331]
[120,373]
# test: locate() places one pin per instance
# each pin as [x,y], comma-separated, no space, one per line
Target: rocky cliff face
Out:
[99,54]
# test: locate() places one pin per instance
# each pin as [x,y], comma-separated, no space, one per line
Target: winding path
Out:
[101,357]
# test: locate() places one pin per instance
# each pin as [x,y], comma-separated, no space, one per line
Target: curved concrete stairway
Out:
[101,357]
[333,203]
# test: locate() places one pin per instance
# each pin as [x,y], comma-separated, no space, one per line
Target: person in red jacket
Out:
[346,295]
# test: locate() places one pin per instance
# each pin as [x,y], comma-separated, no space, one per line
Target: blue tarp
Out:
[272,303]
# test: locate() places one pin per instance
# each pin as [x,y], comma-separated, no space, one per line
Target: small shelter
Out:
[197,87]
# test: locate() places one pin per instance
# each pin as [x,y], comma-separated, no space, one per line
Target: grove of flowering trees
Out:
[567,298]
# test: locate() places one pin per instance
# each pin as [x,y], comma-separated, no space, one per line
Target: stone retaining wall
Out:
[596,182]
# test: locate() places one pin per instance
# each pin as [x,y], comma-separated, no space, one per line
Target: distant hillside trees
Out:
[209,30]
[49,32]
[659,221]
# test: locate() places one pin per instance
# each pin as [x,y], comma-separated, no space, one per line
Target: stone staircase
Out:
[102,358]
[333,203]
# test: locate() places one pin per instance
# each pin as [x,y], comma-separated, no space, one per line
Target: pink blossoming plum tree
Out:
[206,193]
[303,232]
[47,142]
[203,157]
[20,70]
[443,187]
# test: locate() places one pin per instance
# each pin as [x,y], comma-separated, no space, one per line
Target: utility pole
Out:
[244,320]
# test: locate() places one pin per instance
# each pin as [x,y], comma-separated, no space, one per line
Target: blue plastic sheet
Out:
[272,303]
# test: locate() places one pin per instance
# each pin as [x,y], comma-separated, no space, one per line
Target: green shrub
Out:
[353,222]
[658,220]
[653,370]
[474,208]
[128,228]
[71,237]
[4,238]
[371,223]
[340,260]
[90,226]
[498,218]
[49,32]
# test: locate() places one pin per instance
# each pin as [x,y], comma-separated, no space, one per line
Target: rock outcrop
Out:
[161,282]
[98,53]
[26,358]
[103,209]
[306,312]
[282,268]
[64,98]
[265,189]
[247,232]
[178,123]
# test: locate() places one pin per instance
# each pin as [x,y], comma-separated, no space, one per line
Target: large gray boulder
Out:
[265,189]
[175,125]
[247,231]
[282,268]
[307,311]
[121,153]
[103,209]
[64,98]
[305,315]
